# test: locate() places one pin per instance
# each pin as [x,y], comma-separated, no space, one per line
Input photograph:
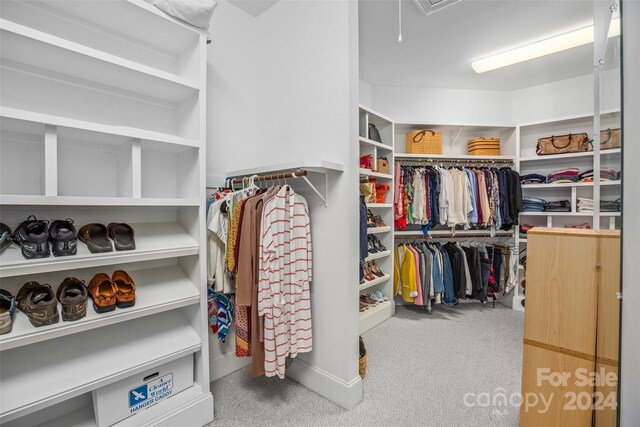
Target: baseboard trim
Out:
[226,364]
[345,394]
[198,413]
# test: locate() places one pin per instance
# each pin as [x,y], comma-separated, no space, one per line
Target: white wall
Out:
[442,106]
[366,94]
[630,373]
[286,90]
[231,93]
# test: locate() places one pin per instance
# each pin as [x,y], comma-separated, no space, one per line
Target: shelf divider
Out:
[50,160]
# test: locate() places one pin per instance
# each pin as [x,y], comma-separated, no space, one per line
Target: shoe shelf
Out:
[31,200]
[40,375]
[378,255]
[370,283]
[157,290]
[153,241]
[378,230]
[373,316]
[25,45]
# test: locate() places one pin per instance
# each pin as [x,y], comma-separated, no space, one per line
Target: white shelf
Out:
[455,157]
[369,172]
[569,185]
[153,241]
[83,417]
[74,365]
[583,214]
[378,230]
[310,165]
[157,290]
[378,255]
[371,283]
[379,205]
[373,143]
[522,240]
[48,119]
[373,316]
[35,48]
[586,154]
[29,200]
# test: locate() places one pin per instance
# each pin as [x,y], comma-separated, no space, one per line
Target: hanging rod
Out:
[454,160]
[299,173]
[441,234]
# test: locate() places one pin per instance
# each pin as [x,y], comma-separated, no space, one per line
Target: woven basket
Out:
[425,141]
[362,365]
[484,147]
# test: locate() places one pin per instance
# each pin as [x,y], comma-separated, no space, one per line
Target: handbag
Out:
[374,134]
[562,144]
[609,139]
[382,165]
[381,192]
[368,190]
[366,162]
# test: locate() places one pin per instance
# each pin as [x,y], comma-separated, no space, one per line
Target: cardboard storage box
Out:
[130,396]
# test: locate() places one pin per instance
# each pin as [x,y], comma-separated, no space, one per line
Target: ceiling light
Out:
[545,47]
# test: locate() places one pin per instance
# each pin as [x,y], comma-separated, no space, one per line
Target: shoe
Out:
[95,237]
[378,221]
[32,236]
[367,273]
[5,237]
[72,295]
[375,270]
[377,244]
[103,293]
[63,237]
[7,311]
[370,246]
[39,303]
[378,296]
[365,299]
[126,289]
[370,222]
[122,236]
[363,307]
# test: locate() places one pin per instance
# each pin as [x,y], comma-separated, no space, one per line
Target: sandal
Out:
[95,237]
[72,294]
[103,293]
[122,236]
[375,270]
[126,289]
[378,221]
[367,273]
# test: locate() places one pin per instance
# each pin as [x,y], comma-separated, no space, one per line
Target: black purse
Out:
[374,134]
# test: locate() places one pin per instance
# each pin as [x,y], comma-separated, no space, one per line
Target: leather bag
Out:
[368,190]
[374,133]
[610,138]
[562,144]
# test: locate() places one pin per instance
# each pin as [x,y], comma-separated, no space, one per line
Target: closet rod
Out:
[419,235]
[271,177]
[453,160]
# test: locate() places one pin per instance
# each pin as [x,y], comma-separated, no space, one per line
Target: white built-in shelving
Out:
[102,119]
[384,260]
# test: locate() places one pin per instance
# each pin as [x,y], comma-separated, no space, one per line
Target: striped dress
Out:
[284,297]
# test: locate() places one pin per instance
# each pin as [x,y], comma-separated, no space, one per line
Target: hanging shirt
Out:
[284,297]
[217,279]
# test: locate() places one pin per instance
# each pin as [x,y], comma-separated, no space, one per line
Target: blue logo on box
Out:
[138,395]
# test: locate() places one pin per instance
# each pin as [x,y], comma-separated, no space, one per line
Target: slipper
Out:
[95,237]
[122,236]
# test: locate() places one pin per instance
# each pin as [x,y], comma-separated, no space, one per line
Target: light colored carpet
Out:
[420,369]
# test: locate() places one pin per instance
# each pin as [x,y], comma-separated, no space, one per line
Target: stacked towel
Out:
[558,206]
[532,204]
[605,175]
[564,175]
[532,178]
[585,204]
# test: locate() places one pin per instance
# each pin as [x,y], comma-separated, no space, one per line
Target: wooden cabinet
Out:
[570,360]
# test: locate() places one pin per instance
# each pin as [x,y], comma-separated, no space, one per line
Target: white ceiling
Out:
[437,50]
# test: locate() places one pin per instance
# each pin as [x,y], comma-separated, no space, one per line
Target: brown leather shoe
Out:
[126,289]
[122,236]
[103,293]
[72,294]
[39,303]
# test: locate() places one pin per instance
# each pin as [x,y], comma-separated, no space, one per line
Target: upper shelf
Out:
[25,45]
[380,145]
[153,241]
[48,119]
[586,154]
[310,165]
[455,157]
[72,365]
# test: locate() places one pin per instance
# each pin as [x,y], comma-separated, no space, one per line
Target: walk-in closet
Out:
[319,213]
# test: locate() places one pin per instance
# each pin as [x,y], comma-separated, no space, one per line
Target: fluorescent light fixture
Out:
[545,47]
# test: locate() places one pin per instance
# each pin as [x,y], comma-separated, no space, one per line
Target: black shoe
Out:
[32,236]
[377,244]
[371,248]
[63,237]
[5,237]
